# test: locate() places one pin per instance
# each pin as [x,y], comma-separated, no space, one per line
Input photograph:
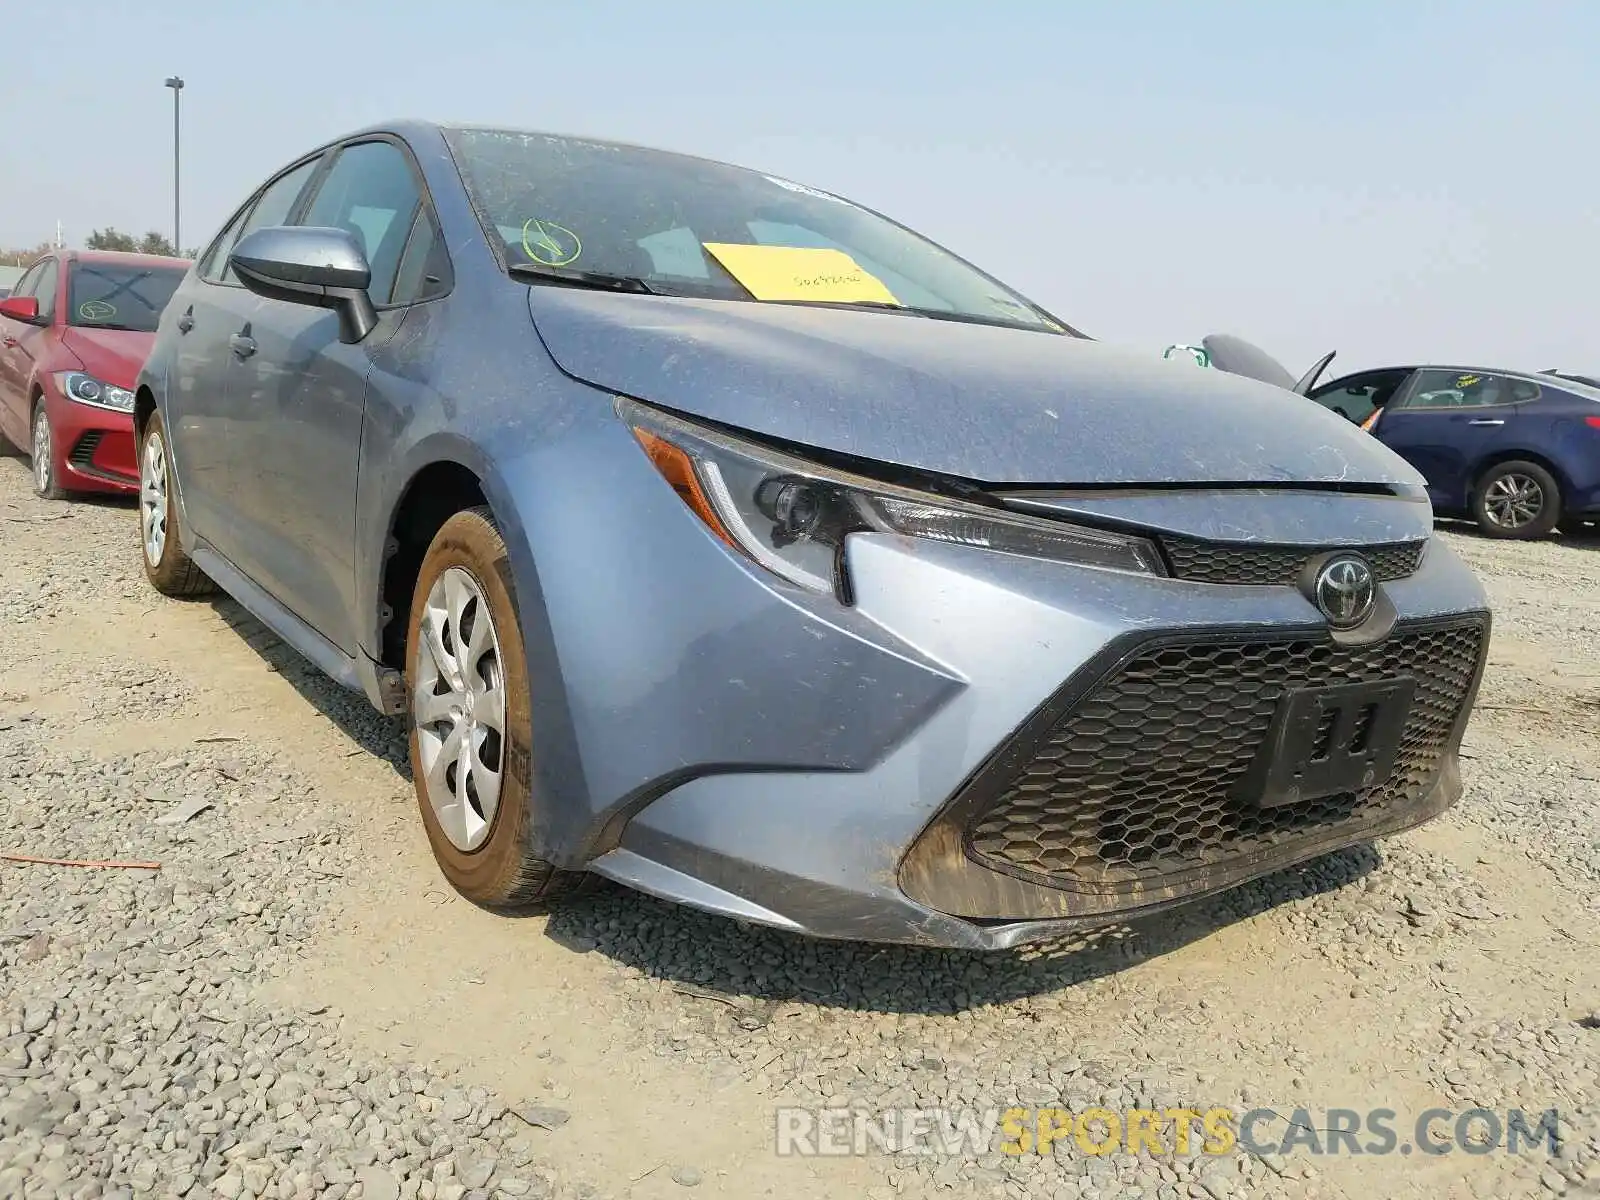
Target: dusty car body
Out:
[916,619]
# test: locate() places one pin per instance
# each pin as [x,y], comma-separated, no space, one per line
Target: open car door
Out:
[1309,379]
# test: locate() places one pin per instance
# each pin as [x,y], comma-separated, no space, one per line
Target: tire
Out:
[169,570]
[484,849]
[42,454]
[1498,512]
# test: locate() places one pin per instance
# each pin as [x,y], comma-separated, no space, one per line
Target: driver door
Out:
[297,395]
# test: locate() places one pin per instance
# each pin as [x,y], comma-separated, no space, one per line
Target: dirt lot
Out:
[295,1004]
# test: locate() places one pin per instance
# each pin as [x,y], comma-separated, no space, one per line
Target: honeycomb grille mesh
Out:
[1138,784]
[1243,564]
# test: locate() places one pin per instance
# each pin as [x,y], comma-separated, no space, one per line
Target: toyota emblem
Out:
[1345,591]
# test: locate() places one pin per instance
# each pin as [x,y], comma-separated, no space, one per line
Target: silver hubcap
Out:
[153,498]
[41,450]
[1512,501]
[458,703]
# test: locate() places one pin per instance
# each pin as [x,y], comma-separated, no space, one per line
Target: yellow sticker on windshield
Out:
[800,273]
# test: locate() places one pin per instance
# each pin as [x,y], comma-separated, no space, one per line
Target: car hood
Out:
[112,356]
[983,403]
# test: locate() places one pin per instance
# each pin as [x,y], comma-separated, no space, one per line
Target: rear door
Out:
[206,432]
[1445,422]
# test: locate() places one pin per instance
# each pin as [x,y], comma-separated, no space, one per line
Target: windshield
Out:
[689,227]
[113,296]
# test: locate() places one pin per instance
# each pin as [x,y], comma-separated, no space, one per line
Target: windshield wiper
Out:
[583,279]
[910,310]
[113,325]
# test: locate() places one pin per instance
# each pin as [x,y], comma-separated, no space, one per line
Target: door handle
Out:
[1486,421]
[242,344]
[186,322]
[8,341]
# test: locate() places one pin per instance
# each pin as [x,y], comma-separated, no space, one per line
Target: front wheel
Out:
[44,455]
[471,747]
[1517,500]
[169,569]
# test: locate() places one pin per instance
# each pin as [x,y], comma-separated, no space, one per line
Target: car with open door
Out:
[1516,452]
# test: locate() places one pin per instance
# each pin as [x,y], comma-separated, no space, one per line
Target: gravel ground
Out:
[293,1006]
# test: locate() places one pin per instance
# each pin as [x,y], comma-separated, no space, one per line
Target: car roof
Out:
[125,259]
[414,127]
[1459,368]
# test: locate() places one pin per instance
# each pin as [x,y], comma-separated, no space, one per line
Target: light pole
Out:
[176,85]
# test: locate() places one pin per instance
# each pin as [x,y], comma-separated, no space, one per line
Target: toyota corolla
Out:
[722,537]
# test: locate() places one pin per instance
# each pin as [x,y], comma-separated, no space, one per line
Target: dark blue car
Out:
[1519,453]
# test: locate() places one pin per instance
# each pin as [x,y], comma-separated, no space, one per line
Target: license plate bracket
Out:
[1327,741]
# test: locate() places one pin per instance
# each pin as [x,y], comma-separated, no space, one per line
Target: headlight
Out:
[792,516]
[86,389]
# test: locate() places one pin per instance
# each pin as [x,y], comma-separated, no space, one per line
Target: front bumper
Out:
[732,744]
[1083,771]
[94,447]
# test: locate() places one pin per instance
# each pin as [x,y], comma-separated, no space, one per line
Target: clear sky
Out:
[1395,179]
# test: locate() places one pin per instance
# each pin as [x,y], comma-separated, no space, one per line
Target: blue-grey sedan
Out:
[724,538]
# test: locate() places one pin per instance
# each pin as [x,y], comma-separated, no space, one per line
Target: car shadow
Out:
[751,970]
[380,736]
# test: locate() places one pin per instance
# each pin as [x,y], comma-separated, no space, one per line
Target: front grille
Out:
[83,453]
[1242,563]
[1138,784]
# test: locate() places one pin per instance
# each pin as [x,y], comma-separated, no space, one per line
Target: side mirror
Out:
[20,308]
[324,268]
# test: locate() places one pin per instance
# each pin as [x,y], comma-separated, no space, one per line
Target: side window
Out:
[424,272]
[216,258]
[274,208]
[1352,400]
[371,192]
[29,280]
[1437,389]
[46,289]
[1357,396]
[1524,390]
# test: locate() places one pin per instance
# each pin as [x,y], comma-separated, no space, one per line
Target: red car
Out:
[73,334]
